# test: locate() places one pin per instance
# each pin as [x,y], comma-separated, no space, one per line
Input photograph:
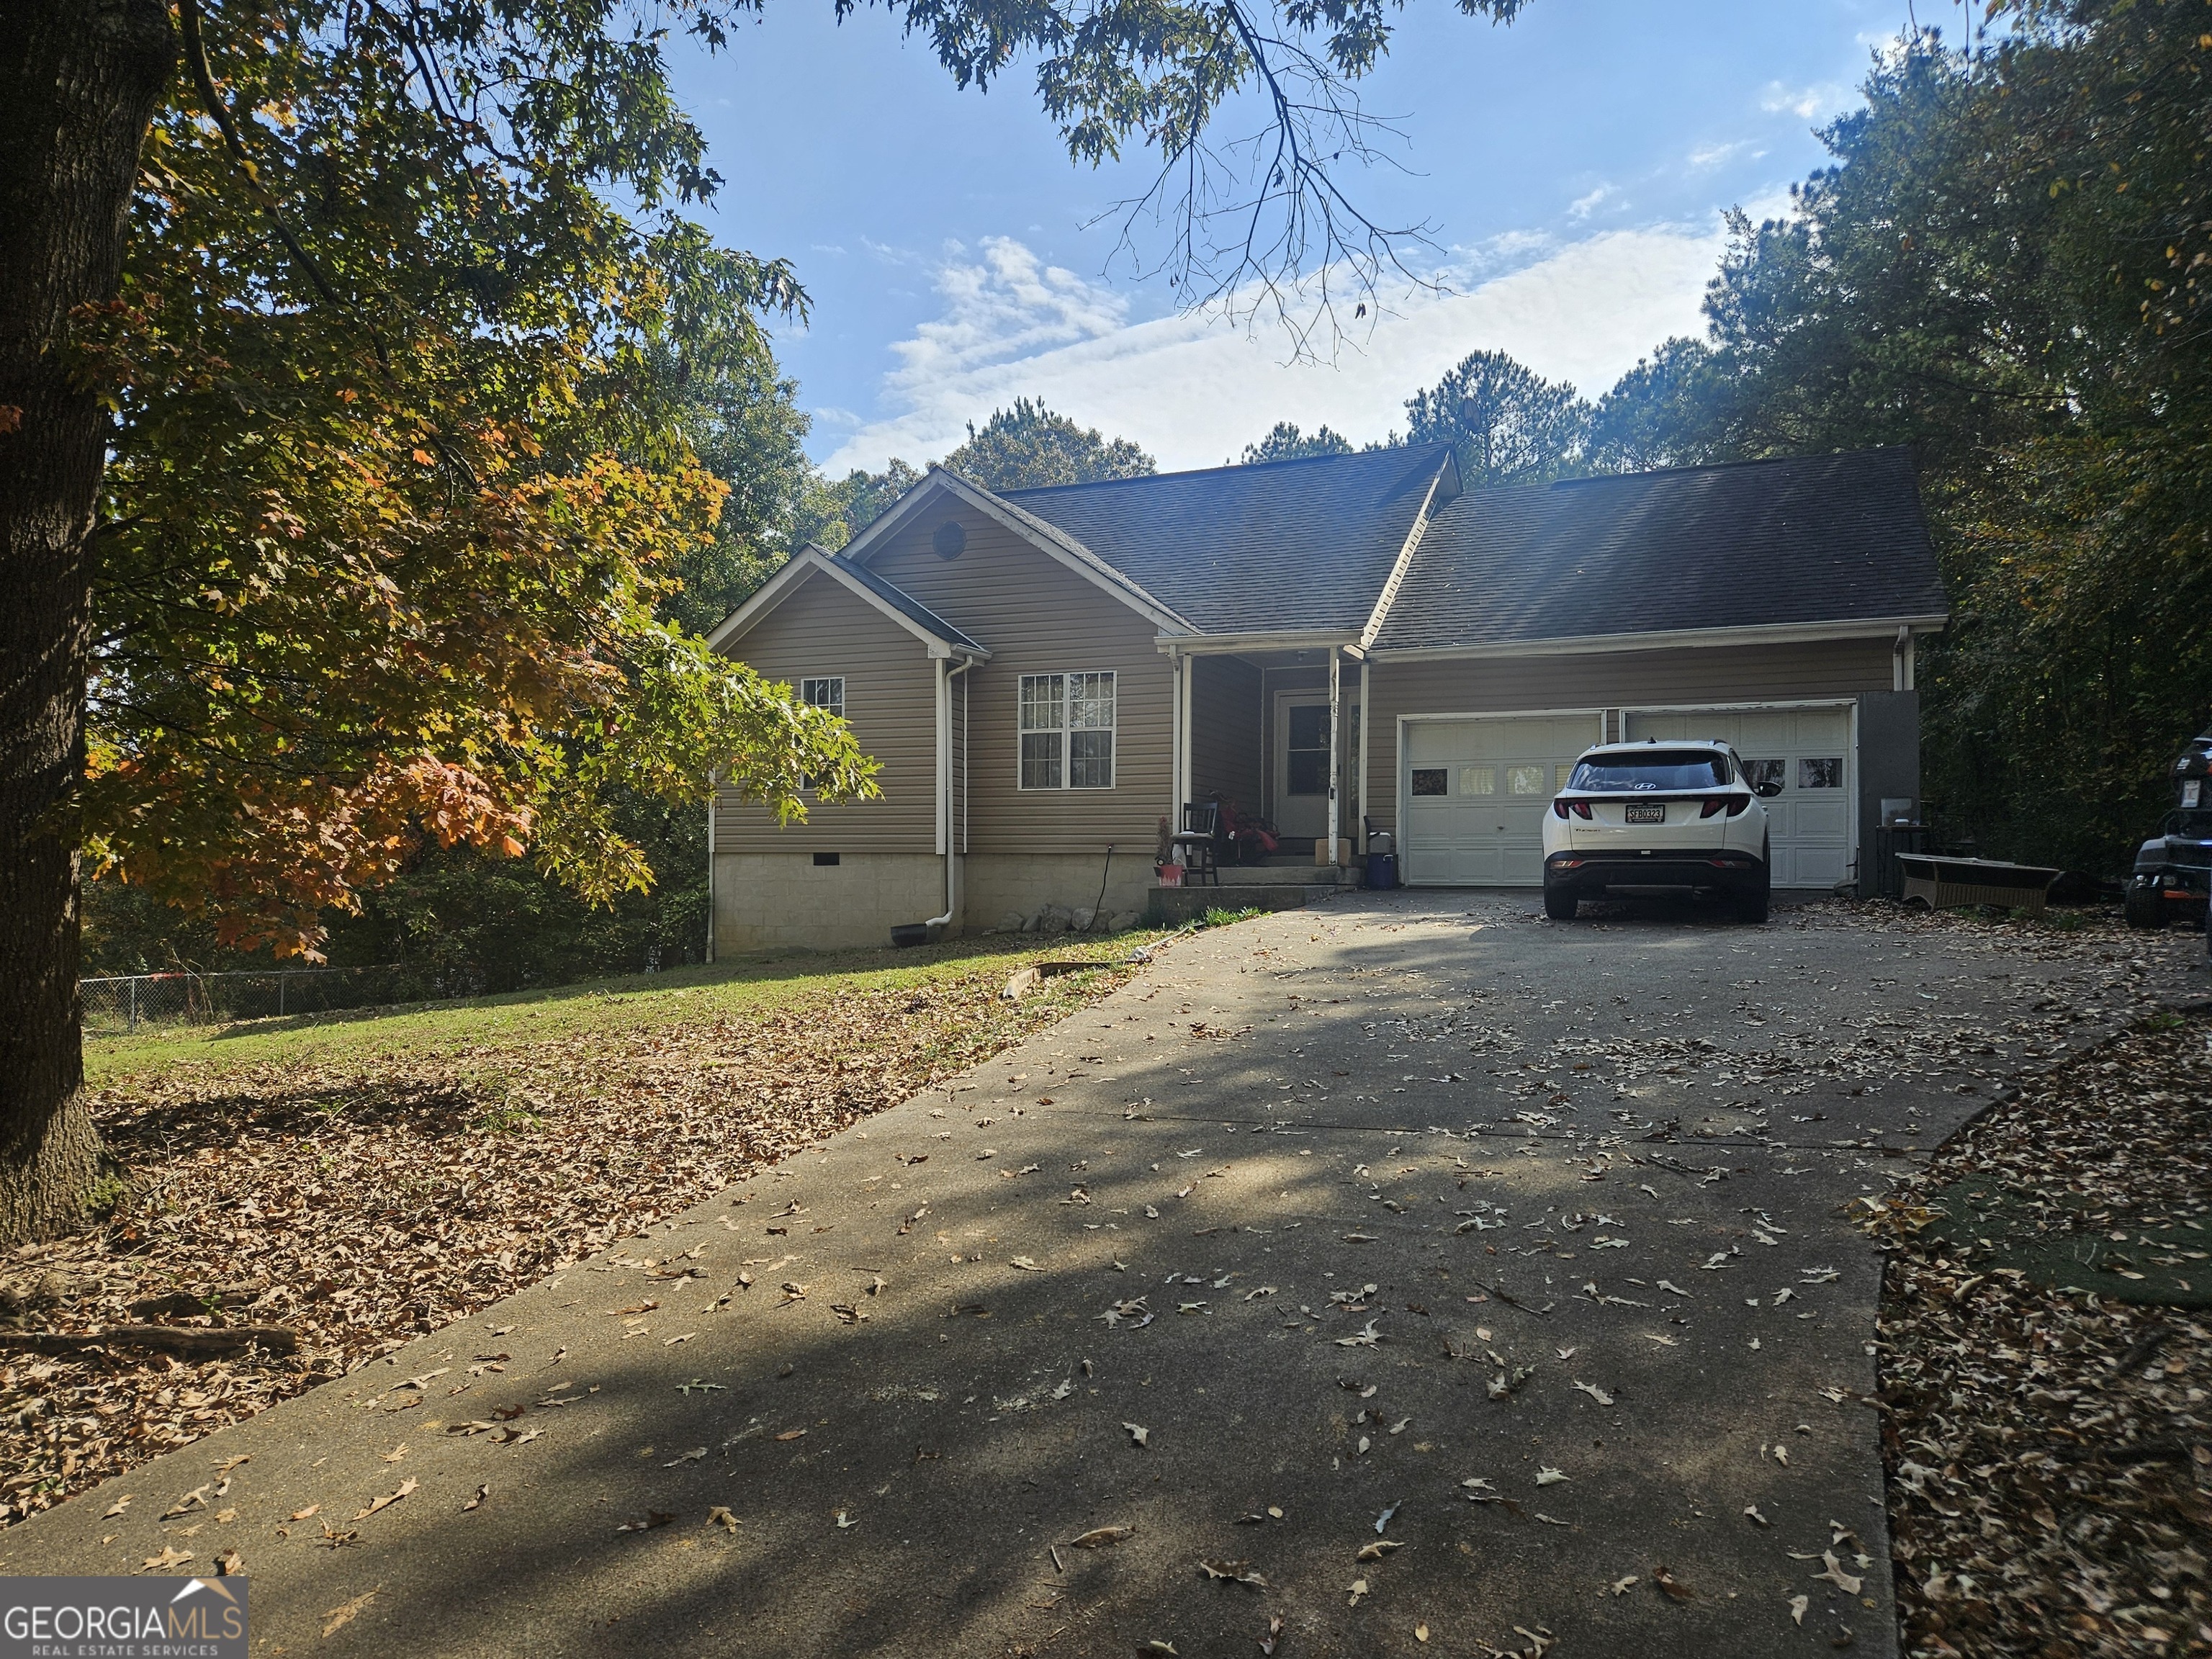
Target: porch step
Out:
[1301,872]
[1171,906]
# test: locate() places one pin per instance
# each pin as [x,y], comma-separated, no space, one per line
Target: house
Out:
[1340,644]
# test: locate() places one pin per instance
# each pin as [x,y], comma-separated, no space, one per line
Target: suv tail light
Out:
[1733,805]
[1738,805]
[1711,805]
[1579,808]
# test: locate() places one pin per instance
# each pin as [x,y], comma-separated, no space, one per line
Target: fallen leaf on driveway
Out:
[1833,1572]
[1025,1264]
[1274,1633]
[115,1508]
[721,1516]
[1357,1587]
[1377,1550]
[1623,1585]
[1141,1436]
[196,1499]
[1595,1393]
[1368,1337]
[651,1519]
[1548,1477]
[169,1557]
[476,1499]
[343,1612]
[1238,1572]
[389,1499]
[312,1510]
[1133,1312]
[691,1456]
[1098,1536]
[1674,1588]
[1797,1606]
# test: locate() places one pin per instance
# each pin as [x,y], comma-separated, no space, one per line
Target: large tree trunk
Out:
[79,81]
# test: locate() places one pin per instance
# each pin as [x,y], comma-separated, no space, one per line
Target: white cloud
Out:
[1194,390]
[1823,99]
[1582,206]
[1707,156]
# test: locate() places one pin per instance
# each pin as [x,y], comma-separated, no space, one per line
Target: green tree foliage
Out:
[748,432]
[2006,267]
[1660,413]
[402,471]
[1508,424]
[1029,448]
[832,512]
[1284,442]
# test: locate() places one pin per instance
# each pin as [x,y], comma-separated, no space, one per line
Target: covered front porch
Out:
[1273,730]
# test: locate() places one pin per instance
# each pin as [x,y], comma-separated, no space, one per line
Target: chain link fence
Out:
[116,1007]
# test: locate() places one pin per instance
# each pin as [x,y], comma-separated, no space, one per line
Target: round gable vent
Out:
[950,540]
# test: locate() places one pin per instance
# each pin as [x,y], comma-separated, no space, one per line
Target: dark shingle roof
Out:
[1820,539]
[906,603]
[1286,544]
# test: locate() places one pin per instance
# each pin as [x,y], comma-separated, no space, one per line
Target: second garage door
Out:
[1808,751]
[1475,791]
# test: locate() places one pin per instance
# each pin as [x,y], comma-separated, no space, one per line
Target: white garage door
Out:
[1475,794]
[1809,751]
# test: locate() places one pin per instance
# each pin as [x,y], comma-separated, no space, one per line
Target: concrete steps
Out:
[1171,906]
[1295,872]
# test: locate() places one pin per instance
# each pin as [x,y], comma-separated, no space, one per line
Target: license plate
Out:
[1647,815]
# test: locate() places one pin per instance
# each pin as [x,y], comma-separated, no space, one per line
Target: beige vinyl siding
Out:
[1036,616]
[1634,680]
[890,702]
[1228,732]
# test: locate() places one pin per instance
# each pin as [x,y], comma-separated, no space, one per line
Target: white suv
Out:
[1658,817]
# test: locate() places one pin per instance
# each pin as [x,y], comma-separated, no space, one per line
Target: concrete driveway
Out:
[1411,1271]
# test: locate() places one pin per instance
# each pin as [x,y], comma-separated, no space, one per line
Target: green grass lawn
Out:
[685,996]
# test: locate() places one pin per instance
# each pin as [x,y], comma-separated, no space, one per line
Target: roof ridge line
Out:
[1205,471]
[1716,466]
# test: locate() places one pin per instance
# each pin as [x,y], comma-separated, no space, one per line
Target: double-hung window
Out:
[824,691]
[1067,731]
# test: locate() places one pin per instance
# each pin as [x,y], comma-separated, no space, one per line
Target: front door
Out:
[1302,768]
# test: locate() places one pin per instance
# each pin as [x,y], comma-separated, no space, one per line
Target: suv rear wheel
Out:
[1559,904]
[1753,903]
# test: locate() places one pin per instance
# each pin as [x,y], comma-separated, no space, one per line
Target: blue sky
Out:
[1573,166]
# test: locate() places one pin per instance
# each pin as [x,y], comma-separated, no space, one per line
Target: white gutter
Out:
[946,843]
[1754,634]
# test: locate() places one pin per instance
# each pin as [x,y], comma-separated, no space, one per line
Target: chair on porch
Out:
[1193,846]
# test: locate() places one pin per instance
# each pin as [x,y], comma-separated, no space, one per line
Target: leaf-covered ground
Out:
[362,1181]
[2050,1444]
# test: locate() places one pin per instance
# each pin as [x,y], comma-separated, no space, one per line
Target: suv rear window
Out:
[1655,769]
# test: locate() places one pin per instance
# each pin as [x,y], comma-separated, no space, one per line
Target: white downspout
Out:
[1335,753]
[944,839]
[714,794]
[1189,665]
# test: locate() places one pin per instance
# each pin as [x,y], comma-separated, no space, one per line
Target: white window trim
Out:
[1068,730]
[838,707]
